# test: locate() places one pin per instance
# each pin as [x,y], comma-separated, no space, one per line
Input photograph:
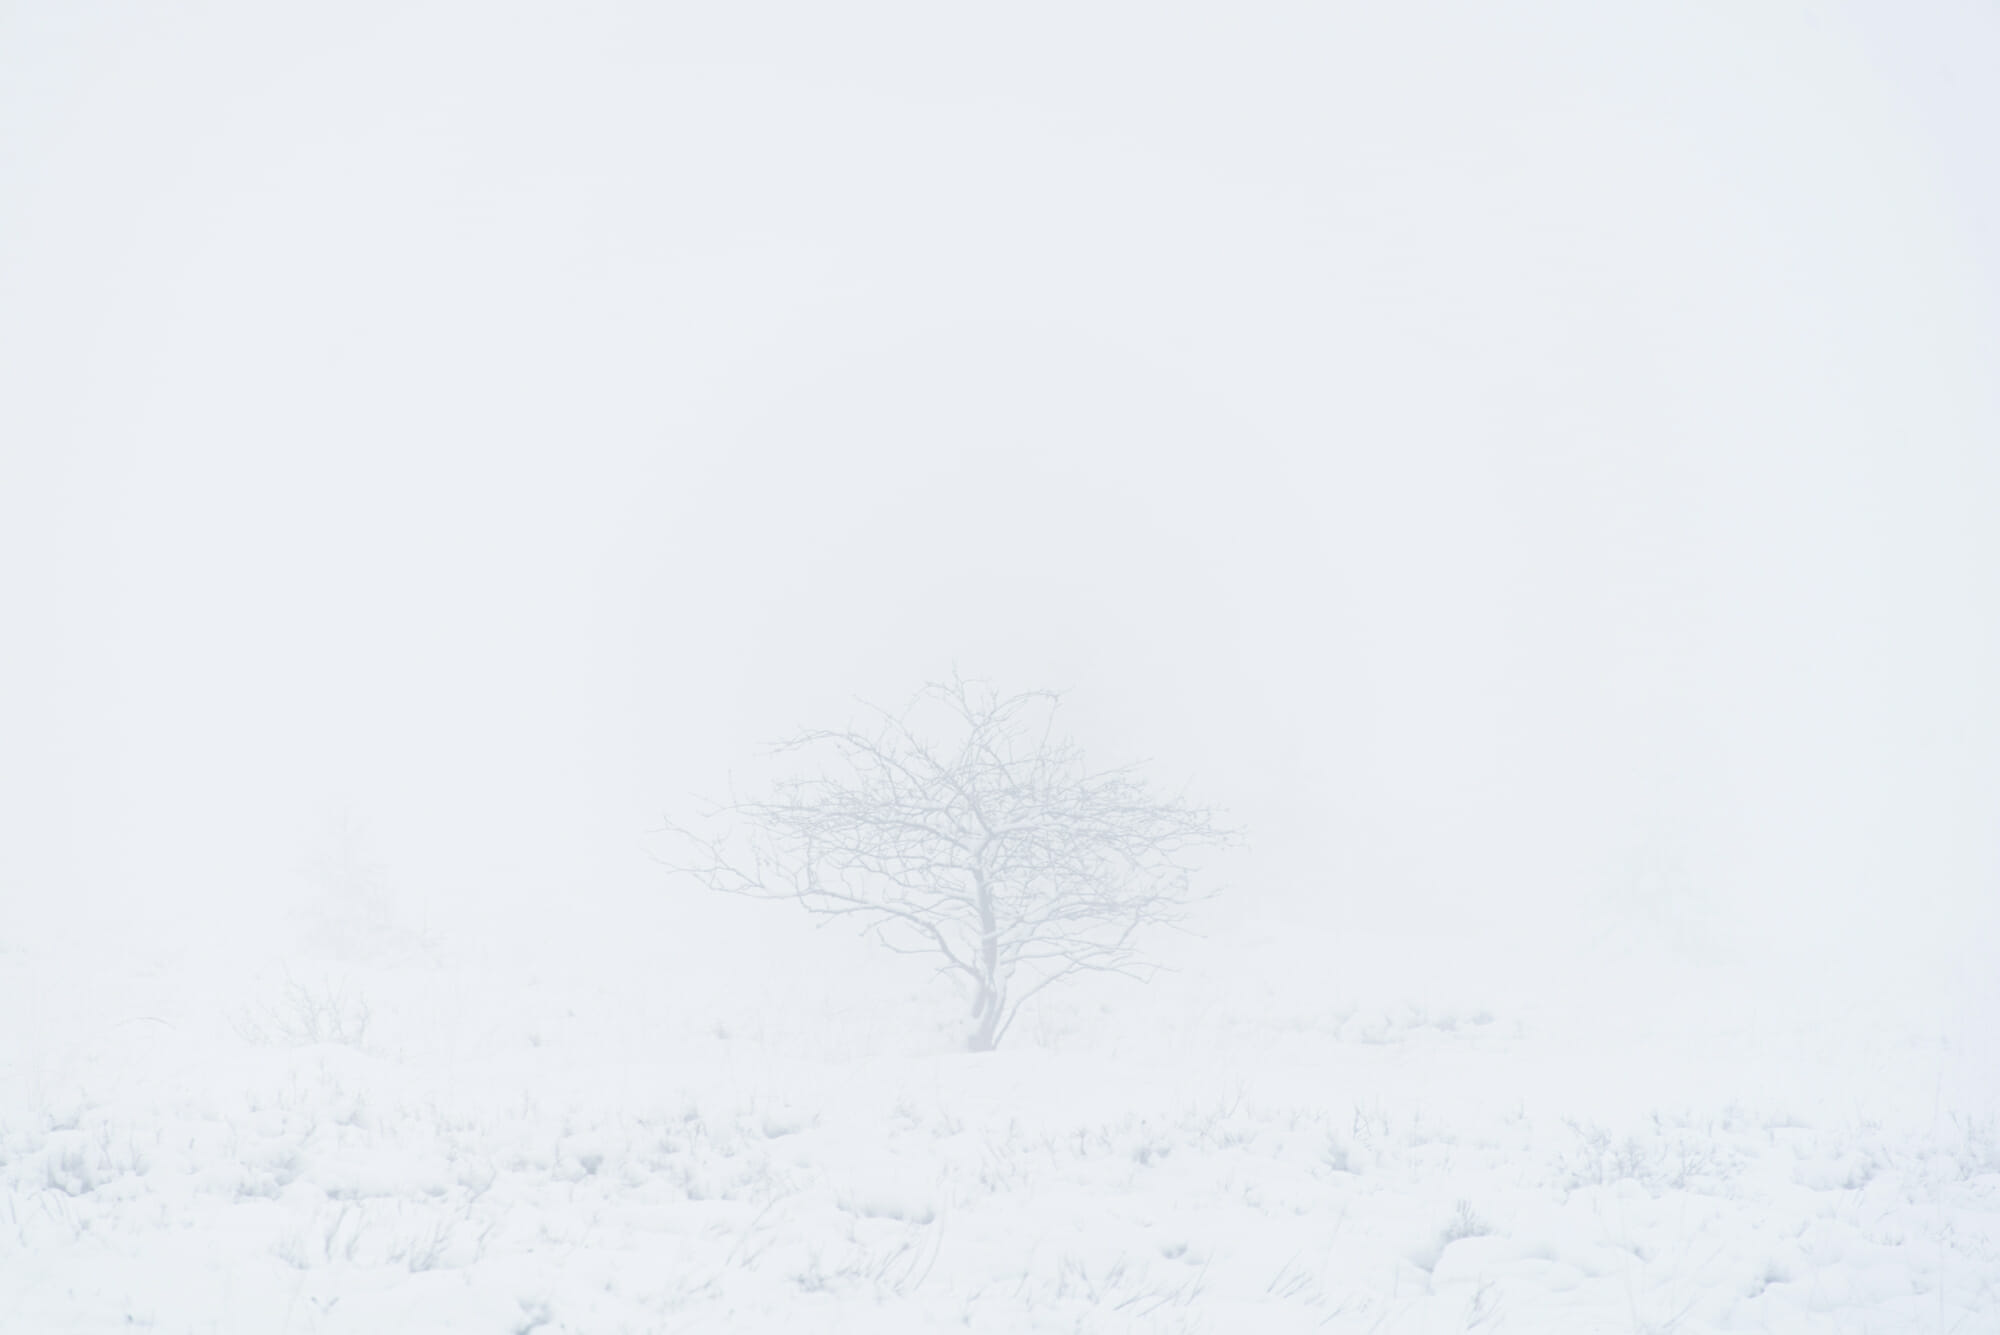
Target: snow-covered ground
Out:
[599,1128]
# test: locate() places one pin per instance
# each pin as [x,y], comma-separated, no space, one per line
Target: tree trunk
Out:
[985,1022]
[991,1003]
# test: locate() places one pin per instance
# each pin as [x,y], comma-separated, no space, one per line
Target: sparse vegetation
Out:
[303,1014]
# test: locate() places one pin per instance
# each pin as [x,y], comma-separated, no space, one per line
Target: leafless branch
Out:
[995,849]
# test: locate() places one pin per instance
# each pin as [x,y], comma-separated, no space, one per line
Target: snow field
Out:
[495,1143]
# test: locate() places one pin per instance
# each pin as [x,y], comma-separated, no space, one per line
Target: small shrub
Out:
[303,1016]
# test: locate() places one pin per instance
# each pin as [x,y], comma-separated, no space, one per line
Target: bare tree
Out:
[985,843]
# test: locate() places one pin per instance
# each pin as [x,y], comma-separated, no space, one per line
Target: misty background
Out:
[1509,460]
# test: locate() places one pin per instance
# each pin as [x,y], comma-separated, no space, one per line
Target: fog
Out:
[1485,452]
[1532,468]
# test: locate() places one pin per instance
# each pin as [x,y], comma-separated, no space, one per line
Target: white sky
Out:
[1480,449]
